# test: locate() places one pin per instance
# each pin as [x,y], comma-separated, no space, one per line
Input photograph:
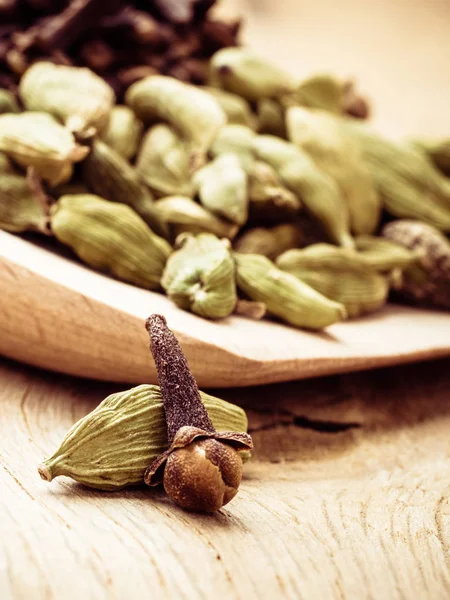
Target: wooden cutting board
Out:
[57,314]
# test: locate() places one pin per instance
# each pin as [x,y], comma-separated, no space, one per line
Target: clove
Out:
[201,471]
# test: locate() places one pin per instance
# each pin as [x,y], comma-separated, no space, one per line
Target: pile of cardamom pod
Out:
[255,194]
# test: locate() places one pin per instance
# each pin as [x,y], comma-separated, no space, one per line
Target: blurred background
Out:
[397,50]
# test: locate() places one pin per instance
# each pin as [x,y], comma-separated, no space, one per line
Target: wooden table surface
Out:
[347,495]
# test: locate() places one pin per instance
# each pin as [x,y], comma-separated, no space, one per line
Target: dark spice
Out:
[174,37]
[202,469]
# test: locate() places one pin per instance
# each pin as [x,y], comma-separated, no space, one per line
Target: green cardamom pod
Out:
[269,200]
[238,140]
[237,109]
[110,237]
[76,96]
[200,276]
[385,255]
[317,191]
[427,281]
[340,274]
[321,91]
[324,138]
[438,151]
[244,73]
[19,208]
[222,188]
[111,447]
[191,111]
[110,176]
[284,295]
[270,242]
[37,140]
[271,118]
[163,162]
[409,184]
[177,214]
[123,132]
[8,102]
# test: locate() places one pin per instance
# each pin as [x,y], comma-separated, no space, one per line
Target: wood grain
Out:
[56,313]
[347,497]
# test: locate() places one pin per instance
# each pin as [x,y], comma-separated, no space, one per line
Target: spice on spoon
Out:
[201,471]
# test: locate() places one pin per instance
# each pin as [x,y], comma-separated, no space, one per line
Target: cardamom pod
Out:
[8,102]
[270,242]
[384,255]
[222,188]
[271,118]
[177,214]
[237,109]
[193,112]
[36,140]
[317,191]
[123,131]
[111,447]
[19,208]
[409,185]
[163,162]
[324,138]
[427,281]
[269,201]
[74,95]
[284,295]
[339,274]
[238,140]
[200,276]
[246,74]
[321,91]
[110,176]
[110,237]
[438,151]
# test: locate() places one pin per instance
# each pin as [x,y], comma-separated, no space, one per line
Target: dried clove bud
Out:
[201,471]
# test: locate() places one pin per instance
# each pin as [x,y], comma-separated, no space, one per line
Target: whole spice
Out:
[238,111]
[385,255]
[270,242]
[113,38]
[176,214]
[284,295]
[222,188]
[201,470]
[409,184]
[123,132]
[323,136]
[427,281]
[20,209]
[238,140]
[200,277]
[34,139]
[339,274]
[110,237]
[319,193]
[192,111]
[76,96]
[111,447]
[269,200]
[110,176]
[163,162]
[438,151]
[246,74]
